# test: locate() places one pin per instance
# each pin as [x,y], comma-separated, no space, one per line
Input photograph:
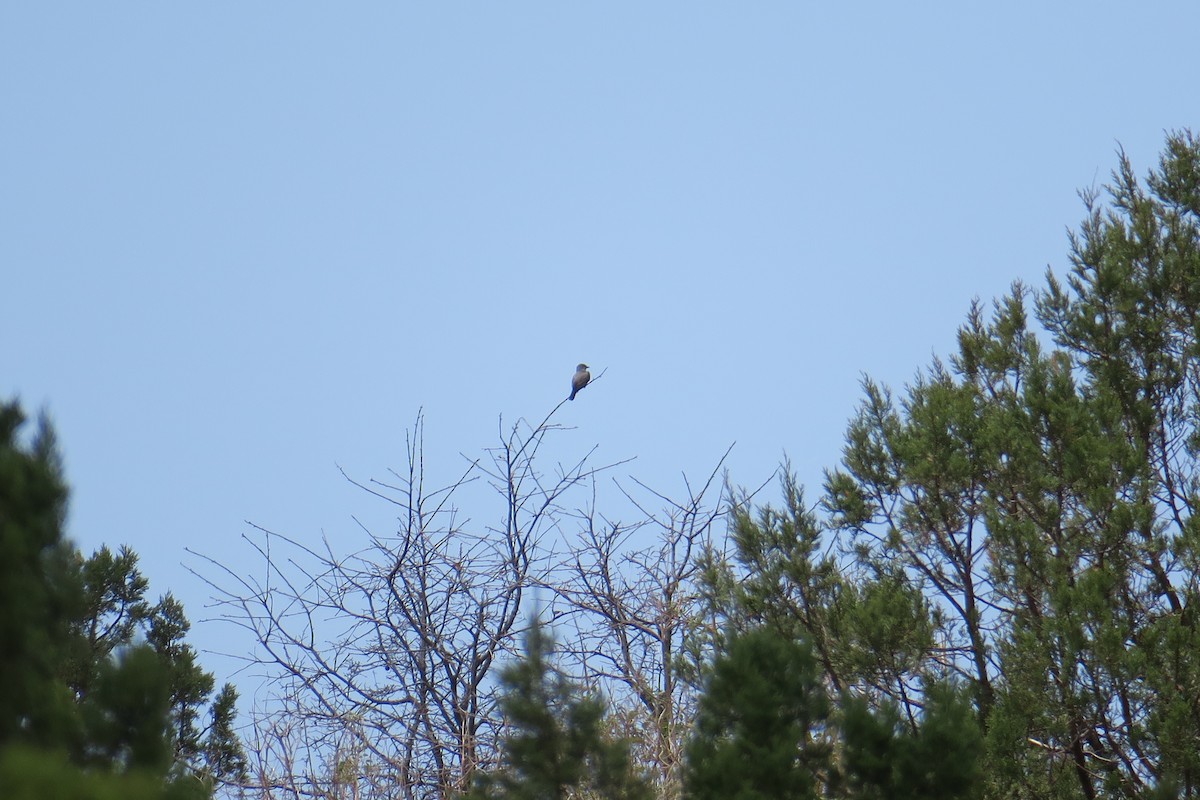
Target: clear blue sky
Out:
[242,243]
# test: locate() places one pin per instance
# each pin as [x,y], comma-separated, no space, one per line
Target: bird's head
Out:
[581,367]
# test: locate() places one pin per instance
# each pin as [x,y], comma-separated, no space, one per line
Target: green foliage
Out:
[189,685]
[92,673]
[125,715]
[789,585]
[767,729]
[38,587]
[32,774]
[758,734]
[222,756]
[555,746]
[888,629]
[939,760]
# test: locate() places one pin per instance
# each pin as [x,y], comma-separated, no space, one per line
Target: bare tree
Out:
[382,660]
[630,595]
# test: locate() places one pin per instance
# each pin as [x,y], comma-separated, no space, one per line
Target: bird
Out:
[579,380]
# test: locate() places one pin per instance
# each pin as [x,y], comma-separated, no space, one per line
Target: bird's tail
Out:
[572,397]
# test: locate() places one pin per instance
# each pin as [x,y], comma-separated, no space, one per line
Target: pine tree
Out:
[91,672]
[761,729]
[39,591]
[1042,497]
[1022,516]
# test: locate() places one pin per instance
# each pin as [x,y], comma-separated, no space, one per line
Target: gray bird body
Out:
[579,380]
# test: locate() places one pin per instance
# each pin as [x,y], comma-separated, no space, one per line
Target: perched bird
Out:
[579,380]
